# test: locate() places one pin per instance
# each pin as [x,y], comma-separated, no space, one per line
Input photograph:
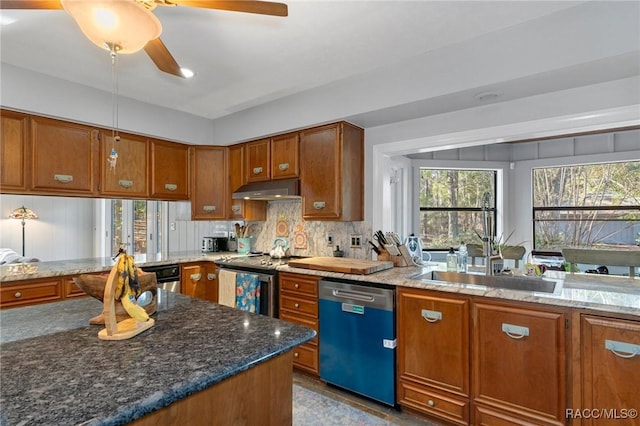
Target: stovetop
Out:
[254,261]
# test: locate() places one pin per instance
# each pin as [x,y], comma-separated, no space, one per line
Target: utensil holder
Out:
[398,260]
[244,245]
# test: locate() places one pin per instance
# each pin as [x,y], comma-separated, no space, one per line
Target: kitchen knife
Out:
[375,247]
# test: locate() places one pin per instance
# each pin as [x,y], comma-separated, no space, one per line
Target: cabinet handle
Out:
[296,305]
[125,183]
[515,331]
[622,349]
[283,166]
[319,205]
[170,186]
[431,403]
[63,178]
[431,316]
[209,208]
[195,277]
[18,295]
[211,276]
[257,170]
[296,285]
[235,208]
[296,355]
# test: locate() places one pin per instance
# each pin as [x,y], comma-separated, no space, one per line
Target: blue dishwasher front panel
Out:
[352,349]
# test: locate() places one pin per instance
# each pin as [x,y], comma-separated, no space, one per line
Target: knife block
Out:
[401,260]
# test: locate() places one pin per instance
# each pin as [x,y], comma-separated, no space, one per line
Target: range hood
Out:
[271,190]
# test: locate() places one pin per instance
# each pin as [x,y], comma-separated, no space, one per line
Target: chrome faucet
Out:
[487,228]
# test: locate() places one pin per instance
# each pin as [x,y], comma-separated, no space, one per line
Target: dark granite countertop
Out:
[55,370]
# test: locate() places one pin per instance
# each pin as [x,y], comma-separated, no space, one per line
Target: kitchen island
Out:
[201,363]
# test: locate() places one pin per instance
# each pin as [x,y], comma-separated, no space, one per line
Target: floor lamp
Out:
[23,213]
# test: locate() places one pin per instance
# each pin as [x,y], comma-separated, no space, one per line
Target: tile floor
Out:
[316,403]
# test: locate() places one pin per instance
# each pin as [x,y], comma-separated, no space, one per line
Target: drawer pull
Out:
[125,183]
[195,277]
[18,295]
[431,403]
[257,170]
[211,276]
[283,166]
[296,305]
[235,208]
[209,208]
[431,316]
[622,349]
[170,186]
[296,355]
[63,178]
[318,205]
[515,331]
[296,285]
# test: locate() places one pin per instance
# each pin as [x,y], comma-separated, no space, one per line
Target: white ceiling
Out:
[244,60]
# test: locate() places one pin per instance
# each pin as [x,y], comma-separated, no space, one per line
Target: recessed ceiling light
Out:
[486,96]
[187,73]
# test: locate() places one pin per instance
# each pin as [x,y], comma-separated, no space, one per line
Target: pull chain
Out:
[115,137]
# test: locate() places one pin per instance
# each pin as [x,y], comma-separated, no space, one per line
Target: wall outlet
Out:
[329,240]
[172,226]
[356,241]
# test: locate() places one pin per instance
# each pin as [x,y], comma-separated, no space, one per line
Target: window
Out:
[591,205]
[451,206]
[136,224]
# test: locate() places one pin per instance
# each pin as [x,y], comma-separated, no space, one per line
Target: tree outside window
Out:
[451,205]
[591,205]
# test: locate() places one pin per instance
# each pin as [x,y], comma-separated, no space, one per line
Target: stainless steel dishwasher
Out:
[357,338]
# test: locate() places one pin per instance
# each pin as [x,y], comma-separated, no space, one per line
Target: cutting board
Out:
[341,264]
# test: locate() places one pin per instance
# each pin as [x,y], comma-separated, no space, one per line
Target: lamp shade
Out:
[125,26]
[23,213]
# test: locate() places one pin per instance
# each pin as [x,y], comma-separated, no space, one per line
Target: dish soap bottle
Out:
[452,261]
[462,257]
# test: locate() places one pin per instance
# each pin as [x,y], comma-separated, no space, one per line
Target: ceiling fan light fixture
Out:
[107,23]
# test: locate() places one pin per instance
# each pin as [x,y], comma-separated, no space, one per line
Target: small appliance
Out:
[214,244]
[414,245]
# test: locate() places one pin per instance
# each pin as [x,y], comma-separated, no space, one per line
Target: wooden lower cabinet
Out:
[609,372]
[299,304]
[518,363]
[39,290]
[472,360]
[433,354]
[200,280]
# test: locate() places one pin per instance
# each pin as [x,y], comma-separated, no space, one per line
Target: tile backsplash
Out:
[284,220]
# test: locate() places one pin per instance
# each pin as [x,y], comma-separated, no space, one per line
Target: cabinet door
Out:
[284,156]
[14,139]
[209,184]
[258,160]
[320,174]
[128,178]
[63,156]
[211,282]
[519,361]
[169,170]
[610,370]
[193,280]
[250,210]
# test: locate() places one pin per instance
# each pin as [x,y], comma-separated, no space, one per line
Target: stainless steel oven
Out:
[168,276]
[268,287]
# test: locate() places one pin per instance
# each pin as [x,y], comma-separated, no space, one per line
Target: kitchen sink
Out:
[510,282]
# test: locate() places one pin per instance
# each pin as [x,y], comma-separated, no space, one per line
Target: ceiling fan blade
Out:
[161,56]
[30,4]
[248,6]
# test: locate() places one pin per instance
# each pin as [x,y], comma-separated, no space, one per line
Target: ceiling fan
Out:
[127,26]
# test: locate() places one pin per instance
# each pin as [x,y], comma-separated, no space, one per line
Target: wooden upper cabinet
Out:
[128,178]
[258,160]
[610,371]
[252,210]
[332,172]
[14,144]
[64,157]
[209,198]
[169,170]
[284,156]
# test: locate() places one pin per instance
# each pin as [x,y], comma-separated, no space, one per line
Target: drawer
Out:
[71,289]
[299,305]
[490,416]
[41,291]
[306,286]
[440,404]
[305,357]
[289,317]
